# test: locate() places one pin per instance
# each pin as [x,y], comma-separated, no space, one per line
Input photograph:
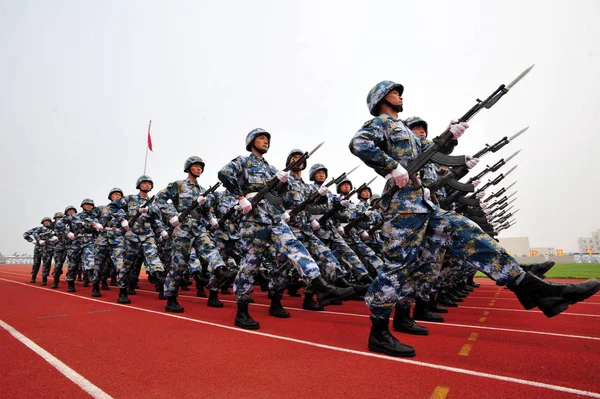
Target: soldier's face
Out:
[46,223]
[345,188]
[262,143]
[320,176]
[294,158]
[57,219]
[71,211]
[419,131]
[145,186]
[87,207]
[196,169]
[364,194]
[117,196]
[394,97]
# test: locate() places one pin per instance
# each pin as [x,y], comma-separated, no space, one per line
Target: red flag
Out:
[149,137]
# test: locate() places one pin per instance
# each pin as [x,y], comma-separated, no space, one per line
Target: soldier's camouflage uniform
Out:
[191,233]
[413,225]
[34,236]
[80,254]
[262,226]
[110,244]
[139,239]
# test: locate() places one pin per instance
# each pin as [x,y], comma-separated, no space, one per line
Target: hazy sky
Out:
[79,81]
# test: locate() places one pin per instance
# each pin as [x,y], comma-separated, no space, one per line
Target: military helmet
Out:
[314,169]
[375,197]
[70,207]
[191,161]
[58,215]
[346,180]
[116,190]
[253,135]
[46,219]
[368,189]
[291,154]
[87,201]
[139,181]
[416,121]
[378,92]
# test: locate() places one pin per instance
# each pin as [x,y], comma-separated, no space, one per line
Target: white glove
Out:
[286,216]
[143,210]
[457,128]
[483,205]
[53,239]
[164,234]
[475,183]
[201,200]
[214,223]
[471,162]
[125,224]
[400,176]
[282,176]
[70,236]
[245,205]
[480,195]
[315,225]
[487,211]
[364,235]
[99,228]
[323,190]
[345,203]
[174,221]
[41,242]
[368,213]
[340,230]
[426,194]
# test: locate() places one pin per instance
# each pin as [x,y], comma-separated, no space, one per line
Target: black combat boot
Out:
[32,279]
[172,305]
[293,288]
[471,281]
[113,281]
[79,276]
[326,293]
[406,324]
[213,299]
[359,289]
[435,306]
[243,319]
[224,276]
[131,288]
[123,298]
[71,286]
[225,290]
[104,286]
[382,341]
[96,289]
[276,309]
[538,269]
[44,281]
[423,312]
[445,300]
[309,302]
[550,298]
[55,283]
[86,279]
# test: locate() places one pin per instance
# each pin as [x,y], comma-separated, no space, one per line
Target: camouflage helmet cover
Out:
[115,190]
[378,92]
[87,201]
[416,121]
[314,169]
[139,181]
[291,154]
[70,207]
[192,161]
[58,215]
[346,180]
[46,219]
[253,135]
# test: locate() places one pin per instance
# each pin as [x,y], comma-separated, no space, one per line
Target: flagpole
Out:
[146,159]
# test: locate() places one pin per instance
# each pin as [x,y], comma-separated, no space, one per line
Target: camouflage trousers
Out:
[367,256]
[144,246]
[37,260]
[230,251]
[164,253]
[454,271]
[345,255]
[115,251]
[322,255]
[183,243]
[60,255]
[80,256]
[256,239]
[410,238]
[47,260]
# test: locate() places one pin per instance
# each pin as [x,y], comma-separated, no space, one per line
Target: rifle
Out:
[457,173]
[499,192]
[195,204]
[268,187]
[336,207]
[441,141]
[314,195]
[375,227]
[472,199]
[137,215]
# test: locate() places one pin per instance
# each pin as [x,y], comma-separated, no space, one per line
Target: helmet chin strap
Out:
[263,152]
[397,108]
[145,191]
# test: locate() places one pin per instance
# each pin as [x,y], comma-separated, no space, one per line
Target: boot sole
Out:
[374,348]
[124,302]
[441,320]
[280,316]
[411,332]
[214,305]
[561,307]
[247,327]
[171,310]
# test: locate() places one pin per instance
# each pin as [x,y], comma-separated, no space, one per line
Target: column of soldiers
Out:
[271,224]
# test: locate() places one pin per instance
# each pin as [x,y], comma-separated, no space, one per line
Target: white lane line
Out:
[457,370]
[586,302]
[65,370]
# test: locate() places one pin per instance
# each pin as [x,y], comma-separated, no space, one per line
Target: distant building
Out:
[543,251]
[516,246]
[593,242]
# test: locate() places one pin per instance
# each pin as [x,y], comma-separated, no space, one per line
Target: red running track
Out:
[139,350]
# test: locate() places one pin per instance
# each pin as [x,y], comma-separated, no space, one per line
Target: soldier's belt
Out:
[111,229]
[85,235]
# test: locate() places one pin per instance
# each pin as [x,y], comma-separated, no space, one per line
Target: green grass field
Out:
[570,270]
